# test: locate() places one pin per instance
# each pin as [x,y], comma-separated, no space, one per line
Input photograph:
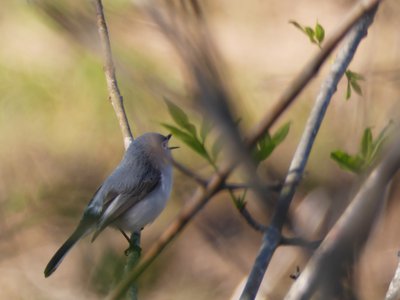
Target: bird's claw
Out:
[133,249]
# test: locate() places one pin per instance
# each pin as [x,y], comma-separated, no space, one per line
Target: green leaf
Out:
[319,33]
[357,76]
[205,129]
[180,117]
[348,162]
[264,148]
[188,139]
[281,133]
[356,87]
[267,144]
[369,149]
[366,143]
[352,83]
[265,140]
[354,75]
[216,148]
[310,33]
[297,25]
[382,137]
[240,203]
[348,90]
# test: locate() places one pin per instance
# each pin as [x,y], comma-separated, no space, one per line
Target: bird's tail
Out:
[83,229]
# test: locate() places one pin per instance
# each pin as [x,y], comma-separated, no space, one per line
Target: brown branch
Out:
[300,242]
[273,187]
[231,187]
[251,221]
[185,170]
[202,196]
[346,239]
[118,105]
[109,70]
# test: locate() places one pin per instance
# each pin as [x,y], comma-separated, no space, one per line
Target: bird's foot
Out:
[133,249]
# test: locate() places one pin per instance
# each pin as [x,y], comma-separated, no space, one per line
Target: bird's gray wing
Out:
[126,197]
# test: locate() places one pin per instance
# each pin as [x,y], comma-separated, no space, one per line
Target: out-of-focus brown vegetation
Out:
[59,139]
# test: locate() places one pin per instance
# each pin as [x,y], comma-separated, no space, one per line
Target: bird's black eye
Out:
[165,143]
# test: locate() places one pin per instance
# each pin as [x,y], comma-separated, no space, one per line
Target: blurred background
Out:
[59,139]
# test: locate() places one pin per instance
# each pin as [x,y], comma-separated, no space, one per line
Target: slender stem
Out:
[185,170]
[300,158]
[251,221]
[300,242]
[118,105]
[109,70]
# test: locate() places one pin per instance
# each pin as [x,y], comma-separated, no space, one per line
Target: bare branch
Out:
[231,187]
[273,187]
[109,70]
[185,170]
[350,232]
[251,221]
[272,237]
[296,241]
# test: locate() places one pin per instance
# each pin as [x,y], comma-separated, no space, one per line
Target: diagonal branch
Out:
[201,196]
[109,70]
[309,71]
[350,232]
[272,237]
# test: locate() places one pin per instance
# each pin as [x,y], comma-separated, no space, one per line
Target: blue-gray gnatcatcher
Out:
[131,197]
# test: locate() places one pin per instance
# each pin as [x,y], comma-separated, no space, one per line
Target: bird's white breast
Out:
[148,209]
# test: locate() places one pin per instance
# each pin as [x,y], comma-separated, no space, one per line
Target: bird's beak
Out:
[168,138]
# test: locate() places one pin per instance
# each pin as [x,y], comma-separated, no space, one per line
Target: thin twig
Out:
[272,237]
[273,187]
[202,196]
[231,187]
[118,105]
[191,174]
[300,242]
[109,70]
[251,221]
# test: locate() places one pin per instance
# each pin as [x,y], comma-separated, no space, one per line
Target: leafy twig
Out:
[369,150]
[272,237]
[346,239]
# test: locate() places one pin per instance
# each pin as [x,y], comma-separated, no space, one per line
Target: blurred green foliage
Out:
[369,150]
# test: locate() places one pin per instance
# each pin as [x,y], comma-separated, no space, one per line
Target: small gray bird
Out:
[131,197]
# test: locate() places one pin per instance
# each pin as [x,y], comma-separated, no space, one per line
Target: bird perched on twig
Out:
[131,197]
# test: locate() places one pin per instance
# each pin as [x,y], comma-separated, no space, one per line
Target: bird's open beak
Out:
[168,138]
